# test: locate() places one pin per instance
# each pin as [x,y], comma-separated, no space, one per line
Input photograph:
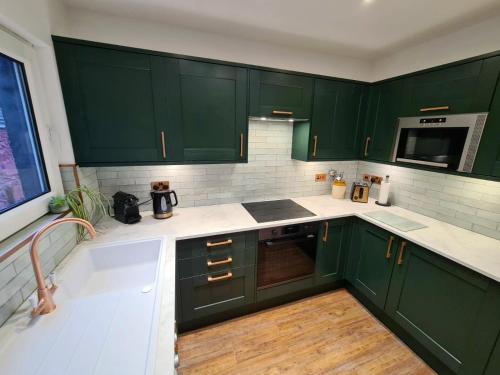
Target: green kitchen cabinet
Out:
[386,103]
[463,88]
[335,129]
[371,260]
[493,367]
[216,292]
[117,105]
[213,112]
[332,250]
[274,94]
[488,156]
[449,309]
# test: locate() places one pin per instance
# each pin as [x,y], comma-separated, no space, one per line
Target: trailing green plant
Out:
[58,201]
[86,204]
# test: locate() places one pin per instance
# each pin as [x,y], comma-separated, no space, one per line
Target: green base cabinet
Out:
[335,128]
[493,367]
[275,94]
[442,305]
[331,253]
[371,261]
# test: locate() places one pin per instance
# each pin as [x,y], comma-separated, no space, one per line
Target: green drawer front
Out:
[221,245]
[200,297]
[221,260]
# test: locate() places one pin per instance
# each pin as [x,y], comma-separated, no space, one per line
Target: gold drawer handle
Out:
[241,145]
[325,235]
[388,253]
[282,113]
[227,276]
[315,139]
[430,109]
[211,263]
[401,252]
[221,243]
[163,148]
[367,142]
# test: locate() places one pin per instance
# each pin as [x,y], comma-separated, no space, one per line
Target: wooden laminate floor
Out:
[327,334]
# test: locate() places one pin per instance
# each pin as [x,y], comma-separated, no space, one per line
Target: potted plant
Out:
[58,204]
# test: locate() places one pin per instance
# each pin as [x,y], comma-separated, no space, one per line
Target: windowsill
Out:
[18,240]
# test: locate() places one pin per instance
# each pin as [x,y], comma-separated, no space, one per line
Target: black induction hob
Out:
[276,210]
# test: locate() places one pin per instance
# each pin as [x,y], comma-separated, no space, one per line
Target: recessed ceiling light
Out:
[366,2]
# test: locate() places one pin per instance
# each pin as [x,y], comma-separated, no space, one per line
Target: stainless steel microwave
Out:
[448,142]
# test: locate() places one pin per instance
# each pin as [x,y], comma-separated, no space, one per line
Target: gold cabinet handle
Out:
[315,146]
[282,113]
[163,148]
[430,109]
[388,253]
[367,142]
[212,263]
[212,279]
[241,145]
[221,243]
[401,252]
[325,228]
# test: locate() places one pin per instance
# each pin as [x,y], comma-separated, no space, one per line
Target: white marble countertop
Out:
[475,251]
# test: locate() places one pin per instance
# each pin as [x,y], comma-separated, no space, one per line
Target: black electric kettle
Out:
[162,204]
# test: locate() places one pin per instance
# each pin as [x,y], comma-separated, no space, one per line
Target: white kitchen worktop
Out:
[470,249]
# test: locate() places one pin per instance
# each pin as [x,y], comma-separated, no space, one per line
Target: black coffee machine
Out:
[162,202]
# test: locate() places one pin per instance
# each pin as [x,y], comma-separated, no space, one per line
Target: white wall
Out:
[471,41]
[169,38]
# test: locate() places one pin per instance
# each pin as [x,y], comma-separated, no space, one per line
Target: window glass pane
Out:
[22,171]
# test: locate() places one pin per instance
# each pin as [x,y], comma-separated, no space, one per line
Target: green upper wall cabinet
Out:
[488,157]
[449,309]
[335,129]
[332,250]
[455,89]
[493,367]
[371,259]
[280,94]
[386,103]
[214,117]
[116,104]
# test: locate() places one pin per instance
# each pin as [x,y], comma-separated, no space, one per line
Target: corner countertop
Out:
[472,250]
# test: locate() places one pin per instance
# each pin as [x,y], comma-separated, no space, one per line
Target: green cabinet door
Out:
[336,123]
[280,94]
[457,89]
[493,367]
[217,292]
[331,253]
[449,309]
[488,157]
[385,104]
[116,104]
[213,112]
[371,260]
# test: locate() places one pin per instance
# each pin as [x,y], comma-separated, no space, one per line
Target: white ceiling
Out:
[358,28]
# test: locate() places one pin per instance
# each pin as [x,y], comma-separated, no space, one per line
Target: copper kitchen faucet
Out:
[45,301]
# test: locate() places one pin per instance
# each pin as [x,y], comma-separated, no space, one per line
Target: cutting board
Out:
[398,222]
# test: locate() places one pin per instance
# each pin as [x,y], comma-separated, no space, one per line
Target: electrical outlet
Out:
[320,177]
[372,179]
[160,185]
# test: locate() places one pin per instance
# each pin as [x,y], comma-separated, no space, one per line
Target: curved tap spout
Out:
[45,301]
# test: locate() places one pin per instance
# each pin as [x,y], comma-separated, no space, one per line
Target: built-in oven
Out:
[286,254]
[448,142]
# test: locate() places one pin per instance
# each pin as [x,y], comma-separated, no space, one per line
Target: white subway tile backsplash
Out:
[469,203]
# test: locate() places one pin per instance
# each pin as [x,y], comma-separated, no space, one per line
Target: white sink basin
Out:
[106,318]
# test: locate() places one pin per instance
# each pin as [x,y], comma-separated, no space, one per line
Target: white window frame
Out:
[21,216]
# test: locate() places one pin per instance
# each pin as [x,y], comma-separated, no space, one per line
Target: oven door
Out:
[437,147]
[284,260]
